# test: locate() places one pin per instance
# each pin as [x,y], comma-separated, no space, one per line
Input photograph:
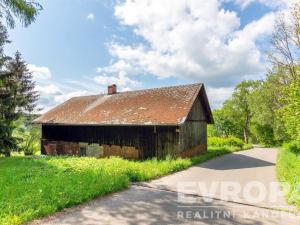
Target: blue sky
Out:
[77,47]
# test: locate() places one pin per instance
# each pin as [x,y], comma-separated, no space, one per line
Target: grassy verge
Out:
[288,170]
[32,187]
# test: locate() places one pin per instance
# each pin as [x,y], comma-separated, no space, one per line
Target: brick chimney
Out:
[112,89]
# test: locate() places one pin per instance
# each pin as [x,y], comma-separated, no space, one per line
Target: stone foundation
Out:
[195,151]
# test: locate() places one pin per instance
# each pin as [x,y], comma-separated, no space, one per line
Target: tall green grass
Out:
[32,187]
[288,170]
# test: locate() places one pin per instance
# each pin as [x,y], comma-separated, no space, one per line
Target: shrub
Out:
[229,141]
[27,136]
[233,141]
[293,146]
[216,141]
[31,148]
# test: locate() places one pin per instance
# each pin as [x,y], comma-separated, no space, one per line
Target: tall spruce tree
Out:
[3,89]
[17,95]
[17,98]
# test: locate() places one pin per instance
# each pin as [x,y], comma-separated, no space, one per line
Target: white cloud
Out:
[190,39]
[51,95]
[121,80]
[90,17]
[118,66]
[49,89]
[64,97]
[39,72]
[217,96]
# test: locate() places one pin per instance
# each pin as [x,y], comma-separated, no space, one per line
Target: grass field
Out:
[288,170]
[32,187]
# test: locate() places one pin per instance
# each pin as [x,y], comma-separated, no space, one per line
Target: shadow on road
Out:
[235,161]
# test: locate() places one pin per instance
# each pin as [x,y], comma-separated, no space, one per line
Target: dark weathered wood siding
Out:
[149,140]
[194,131]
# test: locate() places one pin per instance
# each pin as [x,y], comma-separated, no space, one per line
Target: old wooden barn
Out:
[134,124]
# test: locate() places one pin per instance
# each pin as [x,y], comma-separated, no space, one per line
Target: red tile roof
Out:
[159,106]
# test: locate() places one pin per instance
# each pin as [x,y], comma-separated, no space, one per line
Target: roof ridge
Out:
[165,87]
[147,89]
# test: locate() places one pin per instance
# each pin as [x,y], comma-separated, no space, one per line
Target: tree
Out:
[17,97]
[224,125]
[239,106]
[290,112]
[284,59]
[286,44]
[25,10]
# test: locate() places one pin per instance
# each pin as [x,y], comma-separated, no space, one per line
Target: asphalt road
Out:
[238,188]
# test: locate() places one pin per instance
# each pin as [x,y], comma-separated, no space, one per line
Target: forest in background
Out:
[268,111]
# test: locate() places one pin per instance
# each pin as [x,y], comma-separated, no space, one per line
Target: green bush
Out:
[28,136]
[293,146]
[233,141]
[263,134]
[229,141]
[216,141]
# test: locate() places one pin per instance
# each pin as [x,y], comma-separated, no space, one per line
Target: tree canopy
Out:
[26,11]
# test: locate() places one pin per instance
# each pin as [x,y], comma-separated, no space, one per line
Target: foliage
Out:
[26,11]
[16,87]
[17,96]
[235,116]
[285,58]
[229,141]
[263,133]
[286,44]
[288,170]
[38,186]
[293,146]
[224,124]
[3,129]
[290,112]
[28,135]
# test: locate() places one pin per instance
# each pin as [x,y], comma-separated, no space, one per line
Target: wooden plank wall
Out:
[149,140]
[194,131]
